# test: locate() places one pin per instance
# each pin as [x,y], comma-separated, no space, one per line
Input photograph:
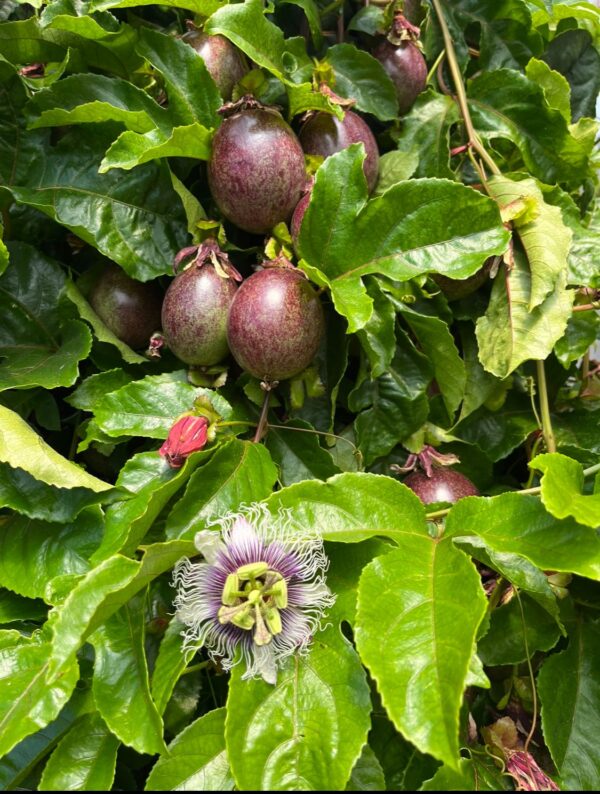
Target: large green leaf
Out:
[518,524]
[15,608]
[203,7]
[154,483]
[193,95]
[471,775]
[121,683]
[513,637]
[100,593]
[22,448]
[132,148]
[562,484]
[506,104]
[569,689]
[415,227]
[34,552]
[169,665]
[149,407]
[307,731]
[367,774]
[378,337]
[196,759]
[509,334]
[240,472]
[394,405]
[135,219]
[88,98]
[574,54]
[39,345]
[33,498]
[542,232]
[361,77]
[405,768]
[352,507]
[426,131]
[298,454]
[419,608]
[84,759]
[28,699]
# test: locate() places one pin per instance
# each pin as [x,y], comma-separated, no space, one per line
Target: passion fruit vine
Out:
[129,308]
[256,171]
[275,322]
[436,482]
[195,308]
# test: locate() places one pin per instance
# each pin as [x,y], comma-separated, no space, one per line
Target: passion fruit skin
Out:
[256,171]
[444,485]
[298,217]
[324,134]
[194,315]
[224,62]
[407,69]
[131,309]
[455,289]
[275,324]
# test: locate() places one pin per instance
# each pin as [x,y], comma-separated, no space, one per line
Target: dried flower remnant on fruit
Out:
[188,434]
[503,739]
[260,594]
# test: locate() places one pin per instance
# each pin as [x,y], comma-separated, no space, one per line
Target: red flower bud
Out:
[526,772]
[187,435]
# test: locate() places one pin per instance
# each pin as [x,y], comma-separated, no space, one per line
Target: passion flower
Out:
[260,594]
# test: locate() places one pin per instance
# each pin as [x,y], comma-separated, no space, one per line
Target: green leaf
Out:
[22,448]
[378,337]
[34,552]
[311,9]
[101,331]
[513,637]
[471,775]
[154,483]
[193,95]
[578,429]
[367,774]
[583,329]
[298,455]
[240,472]
[405,768]
[38,346]
[84,759]
[498,432]
[88,98]
[574,55]
[196,759]
[437,343]
[303,97]
[518,524]
[149,407]
[202,7]
[556,89]
[30,497]
[353,506]
[92,389]
[562,485]
[100,593]
[543,234]
[419,608]
[395,167]
[169,665]
[426,134]
[135,219]
[396,403]
[361,77]
[28,699]
[415,227]
[121,684]
[131,148]
[509,334]
[312,724]
[506,104]
[569,690]
[15,608]
[481,387]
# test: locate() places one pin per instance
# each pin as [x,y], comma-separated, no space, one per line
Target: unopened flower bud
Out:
[187,435]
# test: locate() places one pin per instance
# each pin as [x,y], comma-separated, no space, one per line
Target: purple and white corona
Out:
[260,594]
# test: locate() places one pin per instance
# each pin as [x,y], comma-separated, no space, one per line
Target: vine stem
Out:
[461,94]
[547,430]
[524,491]
[586,307]
[531,675]
[433,69]
[262,422]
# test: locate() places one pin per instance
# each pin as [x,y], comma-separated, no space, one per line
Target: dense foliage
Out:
[463,648]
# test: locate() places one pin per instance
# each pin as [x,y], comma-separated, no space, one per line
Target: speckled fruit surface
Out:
[298,215]
[256,171]
[444,485]
[275,324]
[194,315]
[225,63]
[325,135]
[406,68]
[131,309]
